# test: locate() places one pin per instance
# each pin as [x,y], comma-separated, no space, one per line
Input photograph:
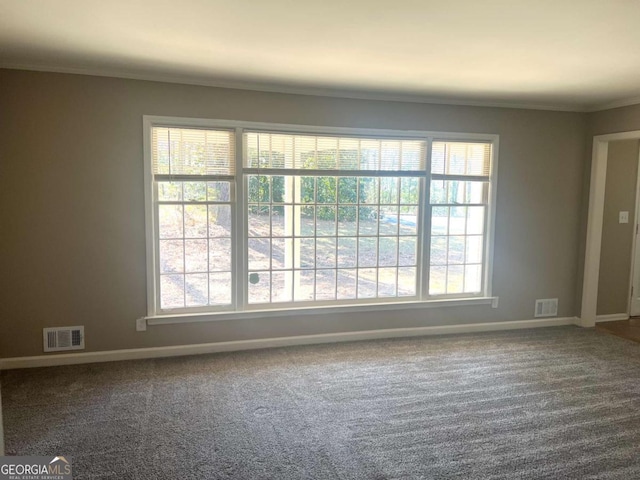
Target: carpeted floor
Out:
[547,403]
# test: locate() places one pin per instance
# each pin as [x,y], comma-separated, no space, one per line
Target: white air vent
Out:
[63,338]
[546,307]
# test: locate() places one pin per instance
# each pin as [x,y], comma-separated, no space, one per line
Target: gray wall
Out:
[617,238]
[72,238]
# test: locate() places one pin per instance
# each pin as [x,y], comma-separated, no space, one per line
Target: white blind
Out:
[314,152]
[461,158]
[190,151]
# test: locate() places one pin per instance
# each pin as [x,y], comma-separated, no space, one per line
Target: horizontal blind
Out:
[461,158]
[269,150]
[190,151]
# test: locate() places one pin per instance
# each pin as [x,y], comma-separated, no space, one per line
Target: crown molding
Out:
[626,102]
[293,90]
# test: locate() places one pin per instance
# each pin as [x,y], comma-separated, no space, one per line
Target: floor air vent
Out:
[546,307]
[63,338]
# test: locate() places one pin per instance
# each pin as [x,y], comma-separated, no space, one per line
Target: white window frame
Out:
[240,308]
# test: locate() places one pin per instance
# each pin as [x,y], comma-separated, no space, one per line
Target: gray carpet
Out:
[547,403]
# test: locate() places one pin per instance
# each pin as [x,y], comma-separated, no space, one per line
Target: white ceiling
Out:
[560,54]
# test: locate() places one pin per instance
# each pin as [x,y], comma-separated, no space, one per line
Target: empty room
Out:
[319,240]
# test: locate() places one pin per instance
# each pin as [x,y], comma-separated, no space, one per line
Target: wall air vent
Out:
[63,338]
[546,307]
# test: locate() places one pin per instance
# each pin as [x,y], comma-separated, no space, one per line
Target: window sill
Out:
[288,312]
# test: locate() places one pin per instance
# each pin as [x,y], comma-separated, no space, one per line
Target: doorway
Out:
[595,223]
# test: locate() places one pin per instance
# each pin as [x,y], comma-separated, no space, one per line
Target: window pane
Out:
[259,287]
[438,251]
[367,283]
[218,191]
[258,189]
[195,221]
[169,191]
[457,220]
[388,220]
[305,253]
[220,255]
[304,285]
[219,220]
[437,280]
[408,254]
[172,291]
[326,252]
[455,279]
[347,253]
[408,220]
[281,286]
[473,278]
[281,220]
[347,220]
[388,251]
[456,249]
[474,249]
[170,224]
[282,253]
[407,279]
[196,256]
[389,190]
[259,253]
[347,282]
[304,221]
[439,220]
[258,220]
[368,188]
[409,191]
[387,282]
[325,284]
[220,288]
[326,190]
[475,220]
[348,190]
[367,252]
[171,256]
[197,290]
[195,191]
[368,221]
[326,220]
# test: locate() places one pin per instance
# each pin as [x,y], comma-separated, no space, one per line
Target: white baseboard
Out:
[612,317]
[181,350]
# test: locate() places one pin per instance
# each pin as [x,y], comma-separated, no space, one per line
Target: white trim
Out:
[613,317]
[150,226]
[181,350]
[594,233]
[594,223]
[491,220]
[180,318]
[293,90]
[635,253]
[625,102]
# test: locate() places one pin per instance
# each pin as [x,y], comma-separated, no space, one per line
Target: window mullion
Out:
[239,237]
[424,240]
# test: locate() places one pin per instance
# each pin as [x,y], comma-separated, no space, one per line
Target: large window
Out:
[244,217]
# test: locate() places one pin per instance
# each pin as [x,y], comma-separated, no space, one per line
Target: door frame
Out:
[595,217]
[635,254]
